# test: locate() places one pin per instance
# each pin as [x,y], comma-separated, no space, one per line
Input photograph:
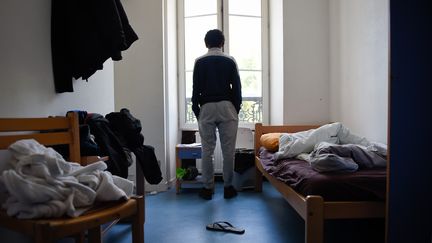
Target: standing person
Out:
[216,101]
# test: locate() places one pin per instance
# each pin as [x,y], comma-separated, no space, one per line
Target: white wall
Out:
[26,79]
[139,78]
[306,61]
[359,66]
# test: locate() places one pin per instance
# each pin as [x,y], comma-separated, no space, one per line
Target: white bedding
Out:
[36,182]
[300,144]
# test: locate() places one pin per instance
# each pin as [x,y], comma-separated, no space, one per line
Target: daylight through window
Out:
[242,22]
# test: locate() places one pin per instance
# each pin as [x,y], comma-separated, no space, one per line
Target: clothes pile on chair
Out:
[39,183]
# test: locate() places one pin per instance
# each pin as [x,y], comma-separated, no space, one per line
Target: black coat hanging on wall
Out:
[84,34]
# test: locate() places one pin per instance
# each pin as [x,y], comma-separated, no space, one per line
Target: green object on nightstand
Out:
[180,173]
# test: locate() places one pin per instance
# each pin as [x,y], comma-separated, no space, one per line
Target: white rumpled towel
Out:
[39,183]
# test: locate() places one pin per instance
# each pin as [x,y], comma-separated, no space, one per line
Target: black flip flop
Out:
[225,227]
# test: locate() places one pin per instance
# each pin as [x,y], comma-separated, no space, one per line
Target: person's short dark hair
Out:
[214,38]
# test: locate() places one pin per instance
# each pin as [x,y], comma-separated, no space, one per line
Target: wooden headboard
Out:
[261,129]
[47,131]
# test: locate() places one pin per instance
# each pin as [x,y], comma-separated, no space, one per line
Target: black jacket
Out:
[128,130]
[84,34]
[109,145]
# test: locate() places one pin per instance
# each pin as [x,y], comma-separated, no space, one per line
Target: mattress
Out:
[361,185]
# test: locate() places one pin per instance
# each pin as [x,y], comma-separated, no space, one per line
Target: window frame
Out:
[222,21]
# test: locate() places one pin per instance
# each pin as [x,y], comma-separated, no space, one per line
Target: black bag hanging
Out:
[128,129]
[145,155]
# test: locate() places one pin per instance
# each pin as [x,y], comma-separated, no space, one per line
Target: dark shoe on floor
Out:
[206,193]
[229,192]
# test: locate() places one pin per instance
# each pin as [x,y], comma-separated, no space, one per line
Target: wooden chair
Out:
[65,130]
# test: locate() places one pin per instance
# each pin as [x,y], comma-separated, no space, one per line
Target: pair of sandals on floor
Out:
[224,227]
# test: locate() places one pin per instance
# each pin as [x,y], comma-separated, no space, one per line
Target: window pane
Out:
[251,83]
[199,7]
[189,116]
[245,41]
[195,30]
[245,7]
[189,83]
[251,111]
[244,44]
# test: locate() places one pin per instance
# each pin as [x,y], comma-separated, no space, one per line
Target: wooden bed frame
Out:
[312,208]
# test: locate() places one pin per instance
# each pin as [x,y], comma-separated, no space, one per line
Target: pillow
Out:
[270,141]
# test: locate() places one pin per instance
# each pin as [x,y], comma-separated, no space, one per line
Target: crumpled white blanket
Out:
[39,183]
[296,144]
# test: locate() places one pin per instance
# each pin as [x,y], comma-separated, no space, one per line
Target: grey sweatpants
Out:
[223,116]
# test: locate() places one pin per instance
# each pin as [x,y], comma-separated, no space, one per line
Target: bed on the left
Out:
[49,131]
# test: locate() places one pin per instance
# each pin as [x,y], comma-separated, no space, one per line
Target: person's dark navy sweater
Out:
[215,78]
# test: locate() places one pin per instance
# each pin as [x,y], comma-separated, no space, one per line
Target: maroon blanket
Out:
[362,185]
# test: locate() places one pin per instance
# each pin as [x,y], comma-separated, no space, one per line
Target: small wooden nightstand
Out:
[187,151]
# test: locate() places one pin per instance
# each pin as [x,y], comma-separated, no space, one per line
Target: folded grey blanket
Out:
[328,157]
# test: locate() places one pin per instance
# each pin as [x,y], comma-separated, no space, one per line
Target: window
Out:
[244,23]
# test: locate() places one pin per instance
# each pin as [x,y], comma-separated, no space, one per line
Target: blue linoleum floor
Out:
[266,217]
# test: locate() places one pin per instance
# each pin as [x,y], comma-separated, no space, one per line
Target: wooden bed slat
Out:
[33,124]
[261,129]
[298,203]
[47,131]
